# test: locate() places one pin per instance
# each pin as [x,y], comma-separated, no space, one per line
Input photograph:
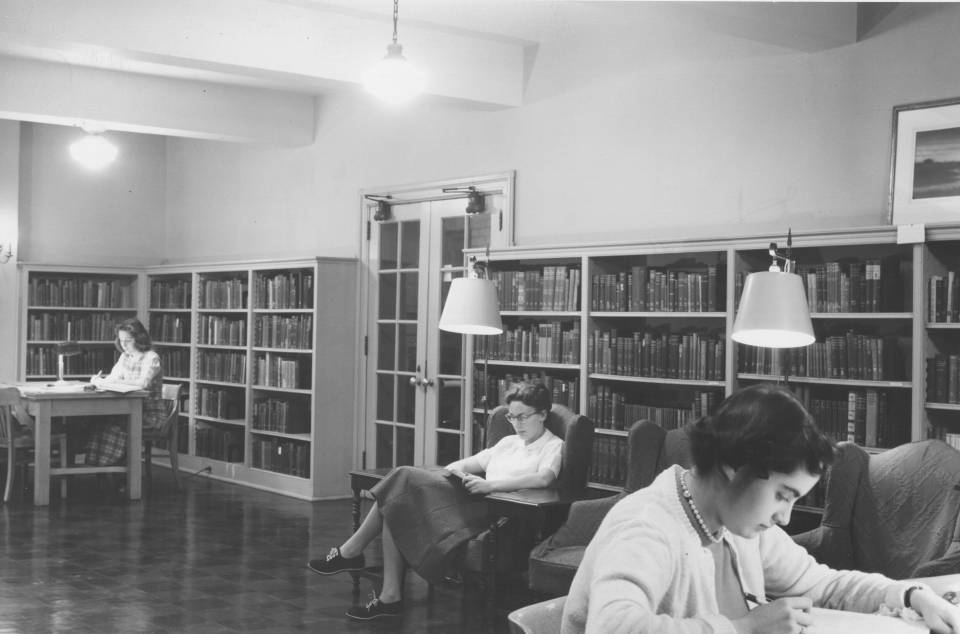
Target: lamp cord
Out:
[396,12]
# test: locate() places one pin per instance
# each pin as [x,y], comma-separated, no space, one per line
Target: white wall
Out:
[9,204]
[71,215]
[772,140]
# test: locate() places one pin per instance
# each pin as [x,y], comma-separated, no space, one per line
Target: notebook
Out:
[841,622]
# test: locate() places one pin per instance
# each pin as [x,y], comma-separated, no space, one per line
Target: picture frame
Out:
[925,163]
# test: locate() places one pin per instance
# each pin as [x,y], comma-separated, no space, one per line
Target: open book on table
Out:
[840,622]
[113,386]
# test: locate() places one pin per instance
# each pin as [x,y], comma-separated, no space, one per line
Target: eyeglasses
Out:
[519,418]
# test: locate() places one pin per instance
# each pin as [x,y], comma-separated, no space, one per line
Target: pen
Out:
[752,598]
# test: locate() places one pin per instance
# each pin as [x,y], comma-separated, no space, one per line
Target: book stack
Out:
[42,360]
[175,362]
[222,331]
[42,326]
[223,294]
[943,378]
[274,370]
[220,403]
[281,456]
[82,293]
[610,408]
[280,331]
[563,391]
[943,298]
[170,294]
[548,342]
[550,288]
[170,328]
[690,355]
[281,415]
[848,356]
[220,444]
[609,463]
[227,367]
[289,290]
[643,289]
[863,416]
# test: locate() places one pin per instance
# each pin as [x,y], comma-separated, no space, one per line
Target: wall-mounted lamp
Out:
[393,79]
[383,206]
[773,307]
[65,349]
[6,252]
[93,151]
[474,198]
[472,307]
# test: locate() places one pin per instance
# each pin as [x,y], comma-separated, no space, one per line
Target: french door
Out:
[415,392]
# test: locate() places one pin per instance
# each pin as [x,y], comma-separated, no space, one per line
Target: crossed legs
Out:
[394,566]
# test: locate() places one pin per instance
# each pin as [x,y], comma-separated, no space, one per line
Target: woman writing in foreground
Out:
[702,550]
[424,516]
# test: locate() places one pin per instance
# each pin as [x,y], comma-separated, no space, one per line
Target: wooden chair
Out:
[165,432]
[16,433]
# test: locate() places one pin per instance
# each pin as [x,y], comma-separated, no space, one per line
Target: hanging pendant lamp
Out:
[394,79]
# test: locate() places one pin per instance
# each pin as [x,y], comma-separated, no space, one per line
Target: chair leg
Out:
[147,464]
[64,463]
[175,467]
[11,471]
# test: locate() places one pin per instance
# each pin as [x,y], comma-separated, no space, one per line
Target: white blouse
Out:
[510,457]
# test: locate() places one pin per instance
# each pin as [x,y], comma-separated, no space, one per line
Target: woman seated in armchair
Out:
[701,550]
[425,515]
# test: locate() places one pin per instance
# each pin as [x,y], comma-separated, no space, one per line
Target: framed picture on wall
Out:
[925,163]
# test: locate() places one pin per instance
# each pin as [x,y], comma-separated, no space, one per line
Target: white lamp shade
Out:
[773,312]
[93,151]
[471,308]
[393,79]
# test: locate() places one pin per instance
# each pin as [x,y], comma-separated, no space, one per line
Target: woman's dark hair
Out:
[141,338]
[763,427]
[536,395]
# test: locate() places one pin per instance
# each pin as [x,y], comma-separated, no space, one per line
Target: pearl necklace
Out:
[696,512]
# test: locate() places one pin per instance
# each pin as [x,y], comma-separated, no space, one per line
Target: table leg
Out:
[41,459]
[134,449]
[490,573]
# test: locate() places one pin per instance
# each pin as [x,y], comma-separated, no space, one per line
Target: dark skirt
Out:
[429,517]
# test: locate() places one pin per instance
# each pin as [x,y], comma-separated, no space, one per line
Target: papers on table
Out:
[112,386]
[840,622]
[68,387]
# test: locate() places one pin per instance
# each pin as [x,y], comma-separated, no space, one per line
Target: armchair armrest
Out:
[583,521]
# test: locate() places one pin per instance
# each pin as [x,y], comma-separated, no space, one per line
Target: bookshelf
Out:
[263,351]
[941,322]
[73,303]
[654,321]
[270,399]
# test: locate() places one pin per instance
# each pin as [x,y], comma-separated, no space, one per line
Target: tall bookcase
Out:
[643,330]
[263,351]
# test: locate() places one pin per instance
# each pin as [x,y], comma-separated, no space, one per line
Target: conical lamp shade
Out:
[773,312]
[471,308]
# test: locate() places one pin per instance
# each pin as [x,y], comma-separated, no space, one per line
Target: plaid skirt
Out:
[107,445]
[430,518]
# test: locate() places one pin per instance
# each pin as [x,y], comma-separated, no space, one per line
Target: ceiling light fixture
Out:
[383,206]
[393,79]
[774,312]
[93,151]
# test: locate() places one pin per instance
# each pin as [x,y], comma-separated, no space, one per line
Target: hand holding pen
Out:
[786,615]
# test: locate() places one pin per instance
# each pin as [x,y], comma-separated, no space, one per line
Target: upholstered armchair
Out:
[894,512]
[554,561]
[577,434]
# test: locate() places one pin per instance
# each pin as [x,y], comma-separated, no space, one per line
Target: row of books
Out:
[550,288]
[170,294]
[44,326]
[281,456]
[278,331]
[854,286]
[950,438]
[692,355]
[230,293]
[222,331]
[175,362]
[550,342]
[563,391]
[658,290]
[612,408]
[943,378]
[219,443]
[220,403]
[283,290]
[864,416]
[229,367]
[80,293]
[42,360]
[943,298]
[850,356]
[171,328]
[274,370]
[286,416]
[609,463]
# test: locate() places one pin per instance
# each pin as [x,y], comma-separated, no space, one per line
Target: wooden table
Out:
[44,402]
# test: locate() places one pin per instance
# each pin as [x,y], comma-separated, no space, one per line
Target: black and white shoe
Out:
[334,563]
[376,609]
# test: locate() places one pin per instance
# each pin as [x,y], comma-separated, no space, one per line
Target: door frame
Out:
[501,235]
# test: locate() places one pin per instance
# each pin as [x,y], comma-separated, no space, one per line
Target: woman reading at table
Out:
[702,550]
[424,516]
[138,365]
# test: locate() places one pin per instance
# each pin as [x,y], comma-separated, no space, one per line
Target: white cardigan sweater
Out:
[647,571]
